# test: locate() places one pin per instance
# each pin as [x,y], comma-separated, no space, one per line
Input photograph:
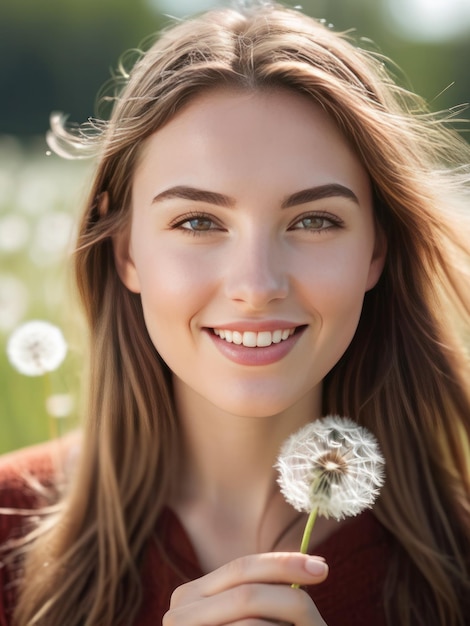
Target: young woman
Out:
[275,232]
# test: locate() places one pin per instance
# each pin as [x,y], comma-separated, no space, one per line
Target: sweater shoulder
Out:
[30,479]
[27,479]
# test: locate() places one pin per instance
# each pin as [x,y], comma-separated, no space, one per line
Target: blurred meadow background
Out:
[55,55]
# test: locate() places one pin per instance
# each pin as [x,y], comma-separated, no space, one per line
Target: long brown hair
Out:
[402,376]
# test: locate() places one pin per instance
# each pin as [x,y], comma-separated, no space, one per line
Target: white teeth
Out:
[252,339]
[277,336]
[263,339]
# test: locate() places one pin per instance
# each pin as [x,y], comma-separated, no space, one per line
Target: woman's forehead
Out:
[230,134]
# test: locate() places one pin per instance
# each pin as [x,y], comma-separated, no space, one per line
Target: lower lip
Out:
[255,356]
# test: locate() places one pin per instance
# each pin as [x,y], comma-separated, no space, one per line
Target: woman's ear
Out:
[125,266]
[378,258]
[121,243]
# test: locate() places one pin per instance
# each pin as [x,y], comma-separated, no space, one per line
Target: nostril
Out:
[256,290]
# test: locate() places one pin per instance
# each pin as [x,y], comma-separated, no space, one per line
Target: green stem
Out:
[53,430]
[306,536]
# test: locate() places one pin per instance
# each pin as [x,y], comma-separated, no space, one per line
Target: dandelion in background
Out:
[36,348]
[331,467]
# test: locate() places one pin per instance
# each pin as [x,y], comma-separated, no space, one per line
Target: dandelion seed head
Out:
[36,347]
[333,465]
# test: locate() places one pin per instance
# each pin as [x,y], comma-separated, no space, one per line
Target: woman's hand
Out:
[251,590]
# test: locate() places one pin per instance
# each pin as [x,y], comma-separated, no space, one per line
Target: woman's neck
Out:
[225,454]
[227,484]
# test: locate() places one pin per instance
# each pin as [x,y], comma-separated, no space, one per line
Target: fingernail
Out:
[316,567]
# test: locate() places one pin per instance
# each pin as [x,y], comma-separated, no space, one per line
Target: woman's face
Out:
[252,243]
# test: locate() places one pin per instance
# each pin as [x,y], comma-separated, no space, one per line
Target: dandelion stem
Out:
[306,536]
[308,531]
[53,431]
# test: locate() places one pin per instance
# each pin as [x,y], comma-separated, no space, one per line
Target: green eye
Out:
[198,224]
[316,222]
[312,223]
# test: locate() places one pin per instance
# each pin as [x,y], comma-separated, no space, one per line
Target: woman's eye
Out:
[196,224]
[314,223]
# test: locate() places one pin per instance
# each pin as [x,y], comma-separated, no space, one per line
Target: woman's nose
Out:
[256,274]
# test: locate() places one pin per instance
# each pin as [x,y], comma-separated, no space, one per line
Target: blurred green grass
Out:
[40,199]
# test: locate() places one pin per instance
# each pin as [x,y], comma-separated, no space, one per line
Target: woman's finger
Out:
[246,604]
[272,567]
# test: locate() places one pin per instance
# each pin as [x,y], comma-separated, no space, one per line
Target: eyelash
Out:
[334,221]
[188,217]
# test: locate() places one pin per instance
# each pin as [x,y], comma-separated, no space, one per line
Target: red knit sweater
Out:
[357,555]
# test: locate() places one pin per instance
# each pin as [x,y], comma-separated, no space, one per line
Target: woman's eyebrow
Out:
[311,194]
[212,197]
[198,195]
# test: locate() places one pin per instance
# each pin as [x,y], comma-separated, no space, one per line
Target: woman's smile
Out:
[256,348]
[253,339]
